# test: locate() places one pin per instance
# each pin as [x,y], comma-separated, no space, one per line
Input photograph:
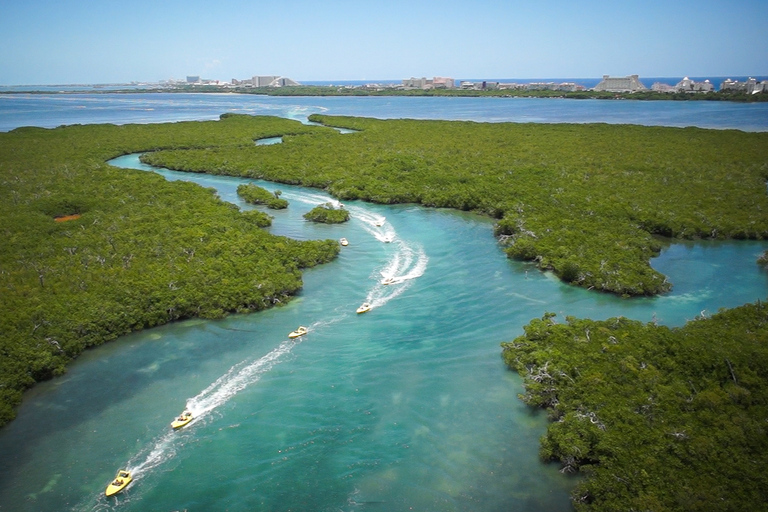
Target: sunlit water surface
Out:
[406,407]
[51,110]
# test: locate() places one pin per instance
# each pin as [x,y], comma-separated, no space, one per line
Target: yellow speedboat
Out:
[364,308]
[182,420]
[120,482]
[301,331]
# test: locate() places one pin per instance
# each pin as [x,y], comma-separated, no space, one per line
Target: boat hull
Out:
[119,483]
[181,421]
[301,331]
[177,424]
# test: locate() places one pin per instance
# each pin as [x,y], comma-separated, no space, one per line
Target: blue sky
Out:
[105,41]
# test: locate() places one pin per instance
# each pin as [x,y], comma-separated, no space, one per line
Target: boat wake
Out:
[407,263]
[311,199]
[373,223]
[237,378]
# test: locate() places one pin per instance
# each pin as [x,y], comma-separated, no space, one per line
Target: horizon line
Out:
[134,82]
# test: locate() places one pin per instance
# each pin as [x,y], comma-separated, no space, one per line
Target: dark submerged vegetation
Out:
[656,418]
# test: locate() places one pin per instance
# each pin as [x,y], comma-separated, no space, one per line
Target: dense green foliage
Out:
[259,219]
[328,214]
[255,194]
[582,200]
[144,251]
[656,418]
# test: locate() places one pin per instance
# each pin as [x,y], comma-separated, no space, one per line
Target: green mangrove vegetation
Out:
[327,213]
[258,218]
[587,201]
[656,418]
[255,194]
[91,252]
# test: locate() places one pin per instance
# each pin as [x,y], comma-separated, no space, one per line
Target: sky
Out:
[106,41]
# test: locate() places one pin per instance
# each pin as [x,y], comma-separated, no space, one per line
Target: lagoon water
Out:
[406,407]
[51,110]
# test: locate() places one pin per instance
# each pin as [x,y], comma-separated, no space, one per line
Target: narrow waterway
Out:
[406,407]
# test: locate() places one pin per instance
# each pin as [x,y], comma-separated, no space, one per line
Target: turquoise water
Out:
[407,407]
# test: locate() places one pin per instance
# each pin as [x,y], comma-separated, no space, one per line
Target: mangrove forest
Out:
[655,418]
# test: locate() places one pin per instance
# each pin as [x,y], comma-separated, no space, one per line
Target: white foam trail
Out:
[308,198]
[369,218]
[377,226]
[356,212]
[400,270]
[312,199]
[420,267]
[390,270]
[373,223]
[163,449]
[402,267]
[237,378]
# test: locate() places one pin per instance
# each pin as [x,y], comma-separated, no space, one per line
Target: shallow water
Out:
[407,407]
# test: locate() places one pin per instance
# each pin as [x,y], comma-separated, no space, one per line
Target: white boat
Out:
[364,308]
[388,280]
[344,242]
[301,331]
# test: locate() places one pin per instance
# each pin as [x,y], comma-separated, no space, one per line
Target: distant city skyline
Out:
[73,41]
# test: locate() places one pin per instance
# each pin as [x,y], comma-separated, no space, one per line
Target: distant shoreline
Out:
[344,91]
[588,82]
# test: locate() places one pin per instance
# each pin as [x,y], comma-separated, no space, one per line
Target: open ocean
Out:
[407,407]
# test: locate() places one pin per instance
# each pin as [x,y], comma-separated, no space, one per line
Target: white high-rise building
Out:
[263,81]
[629,83]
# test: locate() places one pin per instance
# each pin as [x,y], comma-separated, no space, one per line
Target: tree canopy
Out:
[255,194]
[328,214]
[585,201]
[91,252]
[656,418]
